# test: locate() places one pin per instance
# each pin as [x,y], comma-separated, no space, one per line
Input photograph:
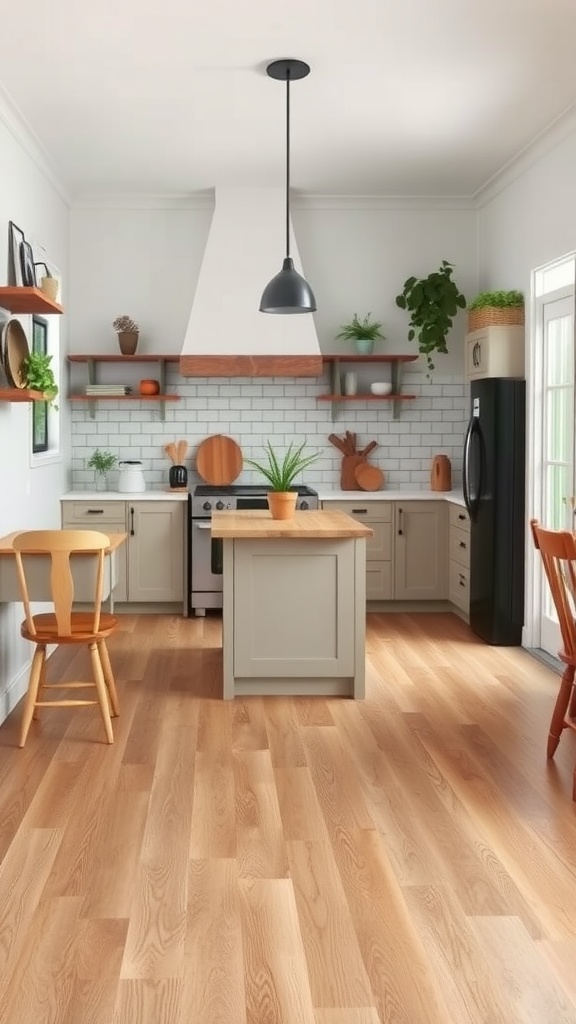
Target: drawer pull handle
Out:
[360,511]
[462,544]
[461,516]
[95,511]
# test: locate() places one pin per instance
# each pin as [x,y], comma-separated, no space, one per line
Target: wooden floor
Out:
[410,858]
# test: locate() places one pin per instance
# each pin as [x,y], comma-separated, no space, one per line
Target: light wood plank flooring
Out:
[410,858]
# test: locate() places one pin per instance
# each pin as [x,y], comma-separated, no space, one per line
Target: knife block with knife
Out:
[355,474]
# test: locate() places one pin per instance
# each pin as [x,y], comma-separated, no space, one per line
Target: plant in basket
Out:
[497,308]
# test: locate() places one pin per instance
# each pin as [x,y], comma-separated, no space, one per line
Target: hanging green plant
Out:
[433,302]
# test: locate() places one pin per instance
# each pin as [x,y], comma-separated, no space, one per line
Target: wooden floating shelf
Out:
[119,358]
[27,300]
[365,398]
[124,398]
[21,395]
[376,358]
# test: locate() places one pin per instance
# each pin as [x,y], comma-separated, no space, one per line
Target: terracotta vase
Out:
[282,504]
[128,341]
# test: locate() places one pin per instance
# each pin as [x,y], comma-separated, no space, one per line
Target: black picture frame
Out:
[39,409]
[15,239]
[28,268]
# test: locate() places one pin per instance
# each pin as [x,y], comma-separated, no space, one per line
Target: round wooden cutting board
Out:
[369,478]
[219,460]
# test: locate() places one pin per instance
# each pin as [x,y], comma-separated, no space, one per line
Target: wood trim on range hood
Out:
[227,335]
[250,366]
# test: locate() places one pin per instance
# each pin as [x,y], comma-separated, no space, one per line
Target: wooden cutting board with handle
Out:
[219,460]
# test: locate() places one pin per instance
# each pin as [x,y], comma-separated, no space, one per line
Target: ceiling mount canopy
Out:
[288,291]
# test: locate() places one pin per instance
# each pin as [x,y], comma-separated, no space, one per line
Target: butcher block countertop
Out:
[258,524]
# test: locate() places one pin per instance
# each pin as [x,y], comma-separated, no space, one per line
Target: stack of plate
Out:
[107,390]
[14,352]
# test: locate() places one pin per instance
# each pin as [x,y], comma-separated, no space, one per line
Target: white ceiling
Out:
[405,97]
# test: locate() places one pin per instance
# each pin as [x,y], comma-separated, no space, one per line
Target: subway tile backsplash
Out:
[281,410]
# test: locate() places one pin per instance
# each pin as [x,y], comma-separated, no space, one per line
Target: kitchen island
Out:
[294,603]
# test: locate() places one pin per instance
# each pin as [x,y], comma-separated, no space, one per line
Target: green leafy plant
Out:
[281,472]
[498,300]
[432,301]
[364,329]
[101,462]
[39,376]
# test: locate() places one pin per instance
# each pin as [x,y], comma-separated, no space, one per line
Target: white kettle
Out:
[131,478]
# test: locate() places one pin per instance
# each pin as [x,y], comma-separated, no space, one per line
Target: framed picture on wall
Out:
[15,239]
[39,409]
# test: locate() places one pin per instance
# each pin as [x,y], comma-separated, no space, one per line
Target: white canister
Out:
[131,478]
[350,383]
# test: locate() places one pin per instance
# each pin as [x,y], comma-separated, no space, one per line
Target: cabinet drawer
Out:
[459,547]
[459,517]
[459,586]
[87,514]
[378,581]
[364,511]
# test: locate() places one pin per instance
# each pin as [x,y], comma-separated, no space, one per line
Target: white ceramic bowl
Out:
[381,388]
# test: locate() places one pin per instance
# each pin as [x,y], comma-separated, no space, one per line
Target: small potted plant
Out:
[101,462]
[499,308]
[433,302]
[363,332]
[127,330]
[280,473]
[48,283]
[39,376]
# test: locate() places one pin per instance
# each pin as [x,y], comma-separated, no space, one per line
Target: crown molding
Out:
[15,122]
[539,147]
[203,200]
[311,201]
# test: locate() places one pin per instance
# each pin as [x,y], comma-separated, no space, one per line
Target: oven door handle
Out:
[203,526]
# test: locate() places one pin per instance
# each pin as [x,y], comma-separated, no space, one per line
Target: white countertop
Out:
[390,495]
[125,496]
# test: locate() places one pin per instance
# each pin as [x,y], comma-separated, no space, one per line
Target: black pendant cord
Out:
[287,163]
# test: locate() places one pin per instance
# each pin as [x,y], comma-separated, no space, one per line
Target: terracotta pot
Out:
[282,504]
[128,341]
[149,387]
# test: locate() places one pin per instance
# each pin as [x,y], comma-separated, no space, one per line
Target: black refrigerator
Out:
[493,484]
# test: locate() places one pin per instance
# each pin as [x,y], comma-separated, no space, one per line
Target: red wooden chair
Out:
[558,551]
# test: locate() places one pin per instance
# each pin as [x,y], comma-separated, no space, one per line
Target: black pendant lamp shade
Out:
[288,292]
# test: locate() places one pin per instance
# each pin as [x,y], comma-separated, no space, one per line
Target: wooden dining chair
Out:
[63,625]
[558,551]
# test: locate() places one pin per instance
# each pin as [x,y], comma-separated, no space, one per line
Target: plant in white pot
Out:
[280,474]
[363,332]
[101,462]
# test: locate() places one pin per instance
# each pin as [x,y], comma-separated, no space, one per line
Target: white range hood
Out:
[227,335]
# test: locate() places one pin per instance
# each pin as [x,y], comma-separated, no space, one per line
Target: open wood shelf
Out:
[21,395]
[117,357]
[27,300]
[124,398]
[379,358]
[92,360]
[365,397]
[395,396]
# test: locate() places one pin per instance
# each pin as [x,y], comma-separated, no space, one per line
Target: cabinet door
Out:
[421,557]
[107,517]
[495,352]
[155,551]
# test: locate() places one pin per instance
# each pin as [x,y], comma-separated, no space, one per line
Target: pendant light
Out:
[288,292]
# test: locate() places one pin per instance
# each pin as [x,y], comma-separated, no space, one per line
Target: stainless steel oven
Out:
[205,571]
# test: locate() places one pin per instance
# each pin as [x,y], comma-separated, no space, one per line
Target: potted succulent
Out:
[433,302]
[101,462]
[280,473]
[128,330]
[499,308]
[363,332]
[39,376]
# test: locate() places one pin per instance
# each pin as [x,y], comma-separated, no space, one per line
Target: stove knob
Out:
[219,505]
[304,505]
[206,506]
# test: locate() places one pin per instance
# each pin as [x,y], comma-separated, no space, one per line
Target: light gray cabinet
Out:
[151,564]
[155,551]
[459,558]
[378,516]
[420,550]
[496,351]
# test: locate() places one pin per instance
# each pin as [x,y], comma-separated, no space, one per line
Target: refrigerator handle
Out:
[465,487]
[471,504]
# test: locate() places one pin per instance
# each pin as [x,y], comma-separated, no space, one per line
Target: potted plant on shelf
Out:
[39,376]
[363,332]
[280,474]
[433,302]
[101,462]
[128,331]
[499,308]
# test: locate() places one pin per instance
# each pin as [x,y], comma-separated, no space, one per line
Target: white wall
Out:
[145,261]
[28,496]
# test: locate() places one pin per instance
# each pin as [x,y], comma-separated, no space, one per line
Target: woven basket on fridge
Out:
[495,316]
